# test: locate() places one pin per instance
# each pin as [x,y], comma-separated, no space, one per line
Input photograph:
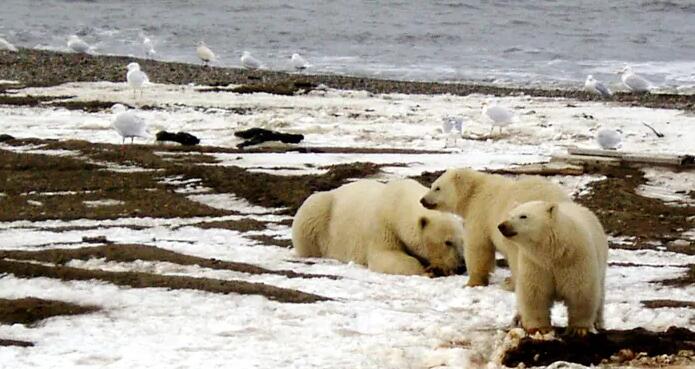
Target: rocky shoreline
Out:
[47,68]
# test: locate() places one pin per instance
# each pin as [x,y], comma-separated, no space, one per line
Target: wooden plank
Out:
[633,157]
[544,169]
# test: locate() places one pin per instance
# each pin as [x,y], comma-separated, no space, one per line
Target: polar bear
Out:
[562,256]
[482,200]
[382,226]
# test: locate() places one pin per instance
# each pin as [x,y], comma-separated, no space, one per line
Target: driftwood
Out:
[657,133]
[578,155]
[546,169]
[594,348]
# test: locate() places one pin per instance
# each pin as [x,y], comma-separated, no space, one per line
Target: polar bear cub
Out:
[382,226]
[562,256]
[483,200]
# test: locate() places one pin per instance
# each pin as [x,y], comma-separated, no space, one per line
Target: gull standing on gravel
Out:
[249,62]
[76,44]
[500,116]
[6,45]
[128,124]
[204,53]
[298,62]
[608,139]
[633,81]
[597,87]
[136,78]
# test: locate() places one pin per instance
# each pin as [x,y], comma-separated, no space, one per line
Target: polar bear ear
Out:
[552,208]
[423,222]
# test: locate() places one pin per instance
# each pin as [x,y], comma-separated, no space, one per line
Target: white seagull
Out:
[500,116]
[76,44]
[298,62]
[249,62]
[450,123]
[204,53]
[128,124]
[6,45]
[608,139]
[136,78]
[597,87]
[148,47]
[633,81]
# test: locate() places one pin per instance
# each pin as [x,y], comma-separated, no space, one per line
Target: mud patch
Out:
[31,310]
[623,212]
[4,342]
[656,304]
[30,183]
[273,191]
[130,253]
[271,241]
[147,280]
[686,280]
[604,346]
[241,225]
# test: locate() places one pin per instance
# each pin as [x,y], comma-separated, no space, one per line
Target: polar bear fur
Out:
[562,256]
[382,226]
[482,200]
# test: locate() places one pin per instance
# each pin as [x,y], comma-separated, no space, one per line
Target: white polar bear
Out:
[382,226]
[483,200]
[562,256]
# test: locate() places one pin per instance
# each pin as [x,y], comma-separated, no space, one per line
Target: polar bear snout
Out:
[427,204]
[506,229]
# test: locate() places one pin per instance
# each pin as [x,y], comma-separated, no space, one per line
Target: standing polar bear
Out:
[482,200]
[562,255]
[382,226]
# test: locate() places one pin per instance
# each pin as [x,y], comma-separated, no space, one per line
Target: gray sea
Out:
[518,42]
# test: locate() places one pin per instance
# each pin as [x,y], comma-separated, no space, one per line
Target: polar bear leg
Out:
[479,254]
[393,262]
[534,293]
[310,225]
[581,313]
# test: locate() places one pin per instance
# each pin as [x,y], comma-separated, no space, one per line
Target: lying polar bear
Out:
[382,226]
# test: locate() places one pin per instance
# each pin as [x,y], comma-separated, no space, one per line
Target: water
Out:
[502,41]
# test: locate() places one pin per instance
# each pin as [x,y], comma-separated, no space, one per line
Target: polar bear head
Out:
[452,189]
[530,223]
[440,241]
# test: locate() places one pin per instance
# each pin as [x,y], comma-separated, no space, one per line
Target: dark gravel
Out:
[47,68]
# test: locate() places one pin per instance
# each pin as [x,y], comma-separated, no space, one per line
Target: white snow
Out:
[354,119]
[668,186]
[374,320]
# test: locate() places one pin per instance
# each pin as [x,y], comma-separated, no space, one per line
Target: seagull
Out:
[6,45]
[500,116]
[608,139]
[76,44]
[596,87]
[633,81]
[148,47]
[249,62]
[128,124]
[136,78]
[298,62]
[204,53]
[450,123]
